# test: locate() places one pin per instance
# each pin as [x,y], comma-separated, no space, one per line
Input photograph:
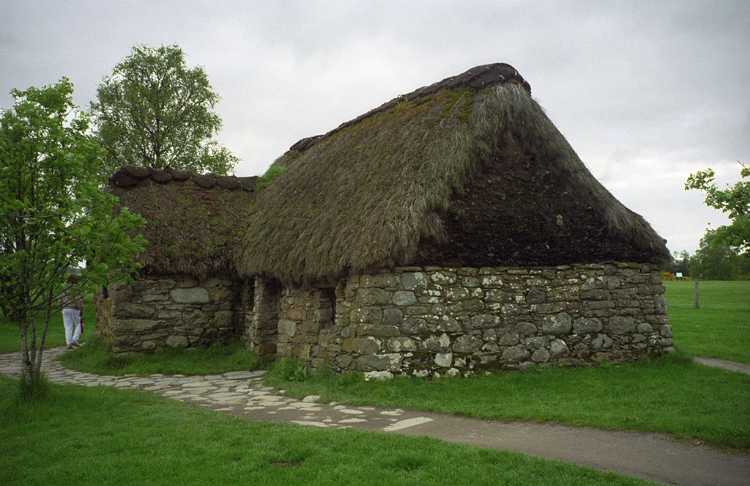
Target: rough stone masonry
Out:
[441,320]
[170,311]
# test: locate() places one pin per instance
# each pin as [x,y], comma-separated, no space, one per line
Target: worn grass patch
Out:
[669,394]
[95,357]
[100,436]
[720,328]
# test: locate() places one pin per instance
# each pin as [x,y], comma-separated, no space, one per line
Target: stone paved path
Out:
[724,365]
[648,456]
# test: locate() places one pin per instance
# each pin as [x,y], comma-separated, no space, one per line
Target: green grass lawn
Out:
[95,357]
[10,340]
[720,328]
[669,394]
[101,436]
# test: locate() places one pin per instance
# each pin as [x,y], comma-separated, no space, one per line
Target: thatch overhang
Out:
[191,220]
[468,171]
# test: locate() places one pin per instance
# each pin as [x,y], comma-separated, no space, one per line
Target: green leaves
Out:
[55,216]
[155,111]
[732,200]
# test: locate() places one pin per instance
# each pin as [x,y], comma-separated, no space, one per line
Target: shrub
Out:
[290,370]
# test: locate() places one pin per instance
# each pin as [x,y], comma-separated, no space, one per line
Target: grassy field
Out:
[94,357]
[10,340]
[100,436]
[670,394]
[720,328]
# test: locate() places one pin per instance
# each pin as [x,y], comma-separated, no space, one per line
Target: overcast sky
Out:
[646,92]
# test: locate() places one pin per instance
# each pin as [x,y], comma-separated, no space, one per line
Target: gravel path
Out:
[644,455]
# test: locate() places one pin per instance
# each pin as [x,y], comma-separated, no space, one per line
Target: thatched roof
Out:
[467,171]
[191,220]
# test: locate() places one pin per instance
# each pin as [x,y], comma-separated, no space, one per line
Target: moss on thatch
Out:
[269,175]
[192,221]
[407,183]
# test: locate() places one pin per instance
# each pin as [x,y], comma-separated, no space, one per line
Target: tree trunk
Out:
[27,367]
[38,363]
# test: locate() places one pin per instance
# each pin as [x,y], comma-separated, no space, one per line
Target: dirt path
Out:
[648,456]
[724,365]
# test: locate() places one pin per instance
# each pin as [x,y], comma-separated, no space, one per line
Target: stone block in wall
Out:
[526,328]
[470,305]
[379,362]
[373,296]
[443,277]
[467,344]
[377,330]
[510,338]
[413,280]
[366,345]
[223,319]
[587,325]
[515,354]
[557,324]
[287,328]
[404,298]
[621,325]
[443,360]
[540,356]
[557,348]
[136,325]
[131,310]
[482,321]
[380,280]
[372,315]
[417,310]
[177,341]
[601,341]
[444,323]
[392,316]
[436,343]
[402,344]
[414,326]
[194,295]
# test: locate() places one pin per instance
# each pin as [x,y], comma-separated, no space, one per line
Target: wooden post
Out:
[696,296]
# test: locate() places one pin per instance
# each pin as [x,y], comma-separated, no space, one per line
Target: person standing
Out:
[72,312]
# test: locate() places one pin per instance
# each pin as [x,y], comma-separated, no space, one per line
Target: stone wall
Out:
[432,320]
[262,328]
[306,325]
[174,311]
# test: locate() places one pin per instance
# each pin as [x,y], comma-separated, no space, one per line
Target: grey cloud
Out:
[645,91]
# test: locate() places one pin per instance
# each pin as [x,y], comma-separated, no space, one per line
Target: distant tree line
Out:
[712,261]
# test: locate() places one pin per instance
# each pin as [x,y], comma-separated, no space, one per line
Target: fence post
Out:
[696,295]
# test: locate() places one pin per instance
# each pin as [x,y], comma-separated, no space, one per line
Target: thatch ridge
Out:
[476,78]
[372,192]
[131,176]
[191,220]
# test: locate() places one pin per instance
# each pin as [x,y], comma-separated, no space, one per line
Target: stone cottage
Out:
[187,292]
[448,230]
